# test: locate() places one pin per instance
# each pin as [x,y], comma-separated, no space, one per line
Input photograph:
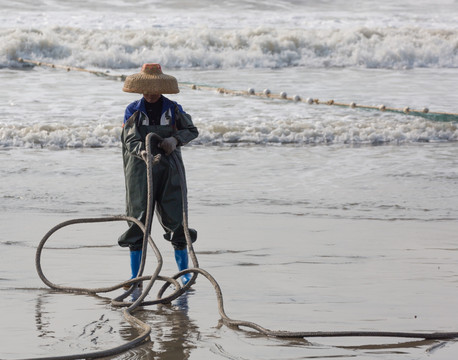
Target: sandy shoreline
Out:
[284,272]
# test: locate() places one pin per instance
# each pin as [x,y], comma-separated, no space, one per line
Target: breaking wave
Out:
[209,48]
[364,129]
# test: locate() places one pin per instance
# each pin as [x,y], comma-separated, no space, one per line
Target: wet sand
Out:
[284,272]
[307,243]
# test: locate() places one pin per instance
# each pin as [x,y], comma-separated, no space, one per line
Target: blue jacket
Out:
[168,107]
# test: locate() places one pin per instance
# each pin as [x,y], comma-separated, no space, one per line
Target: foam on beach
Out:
[246,47]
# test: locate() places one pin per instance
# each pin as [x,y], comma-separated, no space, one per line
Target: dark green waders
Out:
[167,192]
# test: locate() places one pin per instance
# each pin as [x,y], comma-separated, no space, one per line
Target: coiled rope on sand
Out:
[266,93]
[130,307]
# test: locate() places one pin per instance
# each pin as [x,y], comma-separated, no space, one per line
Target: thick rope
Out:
[266,93]
[145,329]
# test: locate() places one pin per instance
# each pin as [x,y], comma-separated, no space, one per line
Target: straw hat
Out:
[151,80]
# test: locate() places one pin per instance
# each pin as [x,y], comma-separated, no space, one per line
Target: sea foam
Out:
[360,129]
[207,48]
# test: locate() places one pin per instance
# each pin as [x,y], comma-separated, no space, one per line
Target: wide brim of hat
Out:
[143,83]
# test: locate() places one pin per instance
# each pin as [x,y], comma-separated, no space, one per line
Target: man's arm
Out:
[131,137]
[186,131]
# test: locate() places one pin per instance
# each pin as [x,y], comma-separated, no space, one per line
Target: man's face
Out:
[151,98]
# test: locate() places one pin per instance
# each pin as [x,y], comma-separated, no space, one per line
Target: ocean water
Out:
[311,217]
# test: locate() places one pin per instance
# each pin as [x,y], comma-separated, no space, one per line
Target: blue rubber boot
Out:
[135,260]
[181,257]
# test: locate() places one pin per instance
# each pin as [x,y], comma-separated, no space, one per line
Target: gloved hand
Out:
[168,145]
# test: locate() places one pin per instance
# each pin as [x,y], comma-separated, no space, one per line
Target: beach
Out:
[278,263]
[311,217]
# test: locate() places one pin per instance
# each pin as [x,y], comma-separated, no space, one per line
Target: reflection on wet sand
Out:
[54,322]
[173,334]
[41,320]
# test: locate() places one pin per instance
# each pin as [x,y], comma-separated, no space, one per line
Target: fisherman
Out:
[157,114]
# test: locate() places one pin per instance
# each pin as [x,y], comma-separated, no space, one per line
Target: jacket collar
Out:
[141,104]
